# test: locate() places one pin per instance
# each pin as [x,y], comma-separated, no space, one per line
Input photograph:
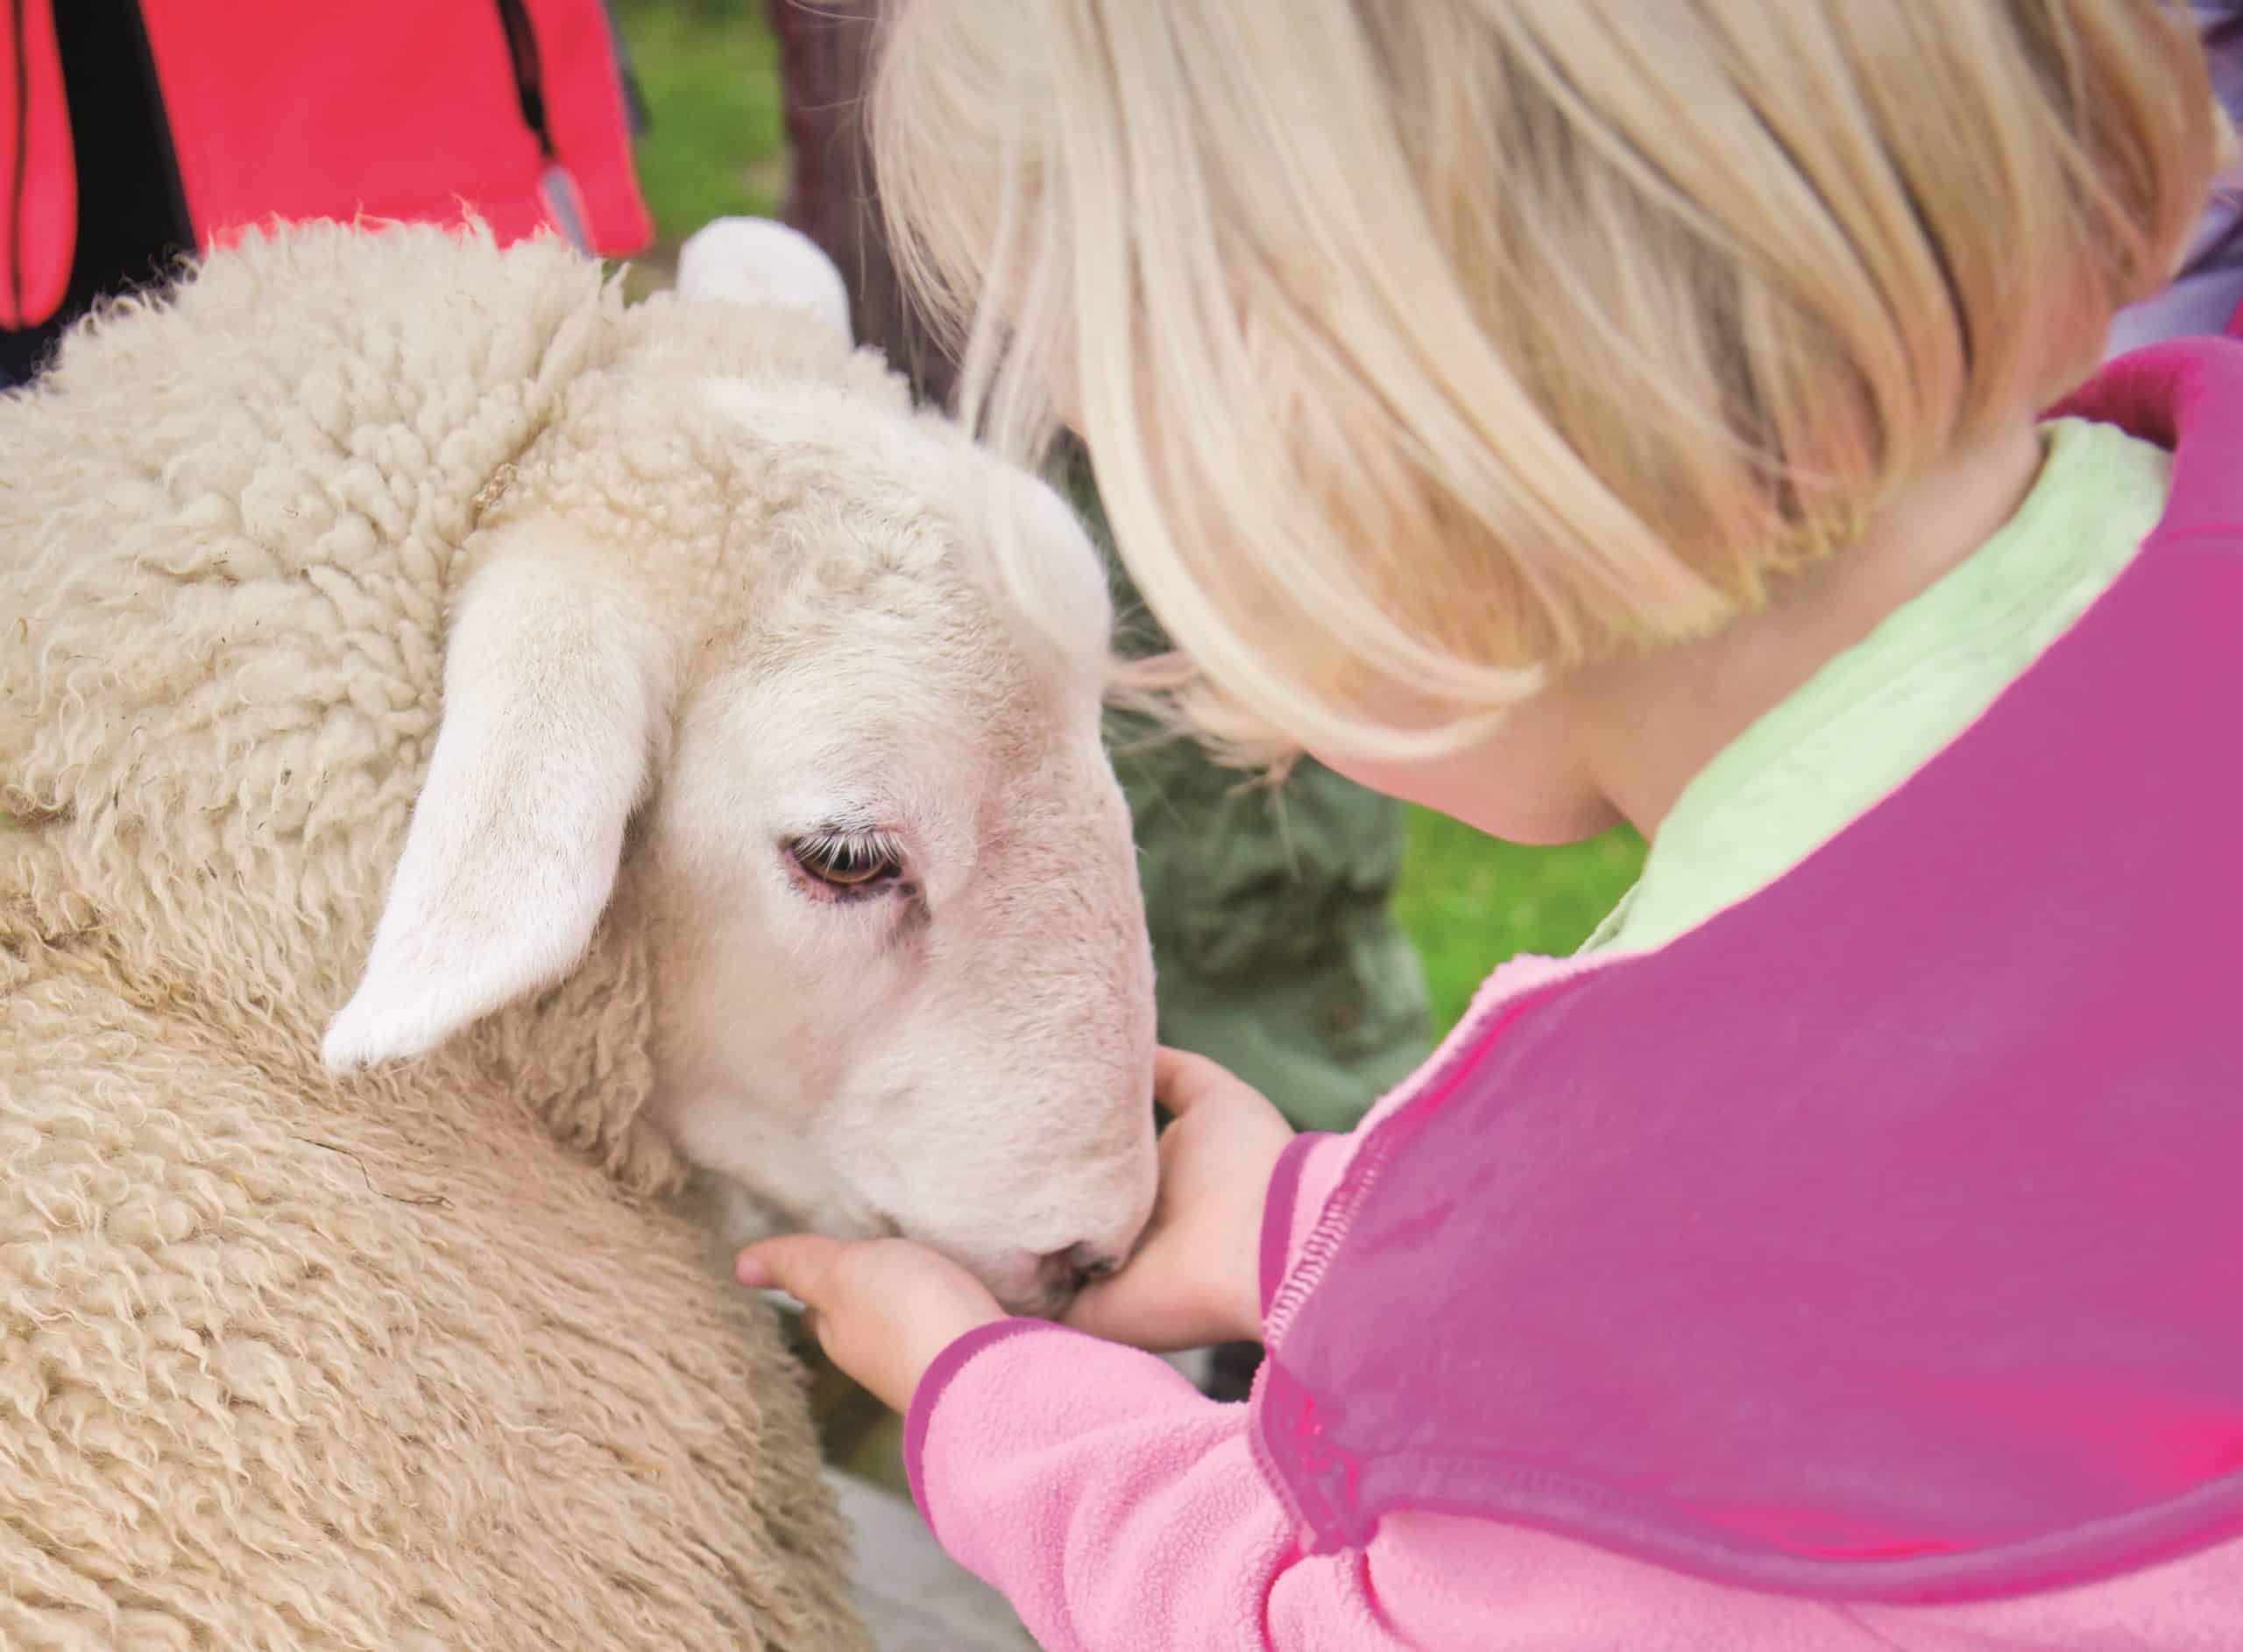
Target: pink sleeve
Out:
[1116,1507]
[1120,1511]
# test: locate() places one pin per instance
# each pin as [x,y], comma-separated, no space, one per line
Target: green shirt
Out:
[1878,712]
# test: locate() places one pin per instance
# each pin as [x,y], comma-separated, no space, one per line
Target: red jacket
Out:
[408,108]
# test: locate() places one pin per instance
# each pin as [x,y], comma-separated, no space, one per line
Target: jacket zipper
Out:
[529,75]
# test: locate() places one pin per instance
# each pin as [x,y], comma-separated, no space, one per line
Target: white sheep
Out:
[630,740]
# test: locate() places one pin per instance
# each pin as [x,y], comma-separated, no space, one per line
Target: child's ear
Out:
[557,687]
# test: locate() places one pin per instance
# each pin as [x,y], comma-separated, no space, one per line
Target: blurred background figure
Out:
[2207,295]
[136,129]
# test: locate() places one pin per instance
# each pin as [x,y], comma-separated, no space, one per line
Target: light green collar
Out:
[1879,711]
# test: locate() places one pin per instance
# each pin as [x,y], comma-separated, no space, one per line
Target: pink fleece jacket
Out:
[1118,1508]
[1120,1511]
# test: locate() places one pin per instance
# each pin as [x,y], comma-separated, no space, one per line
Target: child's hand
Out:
[881,1309]
[1196,1280]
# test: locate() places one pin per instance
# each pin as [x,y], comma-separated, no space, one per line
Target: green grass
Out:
[712,145]
[1470,903]
[709,69]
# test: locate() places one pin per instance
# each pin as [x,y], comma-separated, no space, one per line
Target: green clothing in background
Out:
[1275,950]
[1875,713]
[1274,945]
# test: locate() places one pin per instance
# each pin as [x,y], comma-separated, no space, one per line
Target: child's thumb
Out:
[798,1264]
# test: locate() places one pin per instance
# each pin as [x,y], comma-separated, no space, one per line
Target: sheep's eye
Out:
[848,860]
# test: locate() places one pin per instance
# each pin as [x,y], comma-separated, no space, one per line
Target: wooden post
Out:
[825,57]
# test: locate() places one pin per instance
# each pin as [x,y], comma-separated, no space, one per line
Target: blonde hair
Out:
[1427,349]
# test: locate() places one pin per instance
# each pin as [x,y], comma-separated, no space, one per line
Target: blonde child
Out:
[1558,411]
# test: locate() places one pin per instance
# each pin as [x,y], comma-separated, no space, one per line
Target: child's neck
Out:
[1648,725]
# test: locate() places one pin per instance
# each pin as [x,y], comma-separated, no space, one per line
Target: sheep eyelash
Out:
[832,846]
[876,845]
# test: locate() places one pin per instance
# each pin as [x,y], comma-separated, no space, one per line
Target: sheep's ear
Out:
[557,684]
[757,261]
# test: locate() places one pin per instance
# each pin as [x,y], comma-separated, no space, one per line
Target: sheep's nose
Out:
[1066,1272]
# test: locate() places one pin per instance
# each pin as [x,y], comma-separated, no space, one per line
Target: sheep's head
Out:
[859,812]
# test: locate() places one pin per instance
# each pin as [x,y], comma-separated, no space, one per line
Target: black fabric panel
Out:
[132,219]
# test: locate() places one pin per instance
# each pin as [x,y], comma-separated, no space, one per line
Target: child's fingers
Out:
[800,1264]
[1113,1309]
[1154,1315]
[1182,1080]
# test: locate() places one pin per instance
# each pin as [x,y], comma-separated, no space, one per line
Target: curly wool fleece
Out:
[422,1358]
